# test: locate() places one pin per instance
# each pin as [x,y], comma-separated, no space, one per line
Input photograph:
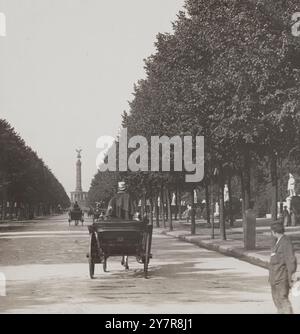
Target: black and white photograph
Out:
[150,159]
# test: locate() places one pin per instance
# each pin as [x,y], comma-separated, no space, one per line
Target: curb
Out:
[30,221]
[223,250]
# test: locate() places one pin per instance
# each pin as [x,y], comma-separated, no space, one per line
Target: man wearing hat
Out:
[283,265]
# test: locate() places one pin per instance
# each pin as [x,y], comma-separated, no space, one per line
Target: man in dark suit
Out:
[283,265]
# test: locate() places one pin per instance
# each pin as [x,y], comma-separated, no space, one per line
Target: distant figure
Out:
[189,213]
[217,210]
[145,218]
[76,206]
[91,212]
[291,186]
[286,216]
[283,265]
[109,212]
[137,217]
[59,209]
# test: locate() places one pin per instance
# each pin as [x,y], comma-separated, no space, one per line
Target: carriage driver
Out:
[76,206]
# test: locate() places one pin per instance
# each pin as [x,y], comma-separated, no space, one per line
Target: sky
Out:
[67,71]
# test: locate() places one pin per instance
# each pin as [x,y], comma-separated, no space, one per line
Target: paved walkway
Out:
[234,246]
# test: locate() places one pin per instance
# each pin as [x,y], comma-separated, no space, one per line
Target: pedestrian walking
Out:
[283,265]
[188,213]
[286,216]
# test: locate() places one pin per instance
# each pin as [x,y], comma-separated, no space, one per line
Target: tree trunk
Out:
[151,210]
[230,213]
[274,179]
[243,194]
[179,204]
[212,210]
[157,211]
[5,206]
[176,205]
[143,206]
[221,204]
[246,186]
[162,207]
[11,210]
[193,220]
[207,201]
[169,210]
[166,205]
[249,220]
[4,199]
[36,210]
[247,181]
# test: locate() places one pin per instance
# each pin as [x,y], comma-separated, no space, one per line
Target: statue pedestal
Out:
[293,220]
[288,203]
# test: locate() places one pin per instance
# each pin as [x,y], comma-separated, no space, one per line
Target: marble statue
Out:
[226,193]
[291,186]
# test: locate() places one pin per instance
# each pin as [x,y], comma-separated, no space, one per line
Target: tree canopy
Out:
[25,180]
[230,72]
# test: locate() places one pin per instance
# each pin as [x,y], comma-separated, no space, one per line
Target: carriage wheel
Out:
[91,260]
[147,255]
[105,264]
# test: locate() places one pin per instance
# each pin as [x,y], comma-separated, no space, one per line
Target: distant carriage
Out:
[77,216]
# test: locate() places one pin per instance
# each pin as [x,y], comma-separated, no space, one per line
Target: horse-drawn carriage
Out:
[76,215]
[122,239]
[117,236]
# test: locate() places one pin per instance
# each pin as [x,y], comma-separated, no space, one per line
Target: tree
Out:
[28,185]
